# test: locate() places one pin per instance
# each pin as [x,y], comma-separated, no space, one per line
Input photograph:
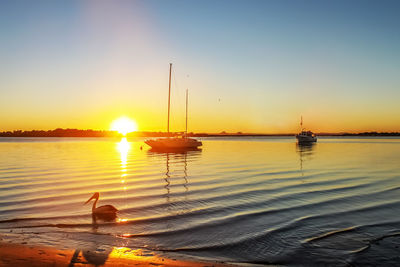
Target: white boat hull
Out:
[306,138]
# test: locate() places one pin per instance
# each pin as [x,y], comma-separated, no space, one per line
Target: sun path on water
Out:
[124,125]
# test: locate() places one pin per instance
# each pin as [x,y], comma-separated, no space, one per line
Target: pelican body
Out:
[106,212]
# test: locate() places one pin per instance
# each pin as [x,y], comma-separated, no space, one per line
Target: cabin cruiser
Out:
[306,137]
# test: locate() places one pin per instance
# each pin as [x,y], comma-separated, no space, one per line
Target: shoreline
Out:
[59,132]
[211,135]
[16,254]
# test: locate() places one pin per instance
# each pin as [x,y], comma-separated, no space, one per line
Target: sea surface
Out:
[244,200]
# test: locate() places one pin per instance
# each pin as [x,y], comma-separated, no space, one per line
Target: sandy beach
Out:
[31,255]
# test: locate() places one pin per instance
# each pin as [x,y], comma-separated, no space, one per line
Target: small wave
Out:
[376,240]
[328,234]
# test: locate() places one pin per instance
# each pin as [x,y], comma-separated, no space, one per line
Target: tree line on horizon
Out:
[59,132]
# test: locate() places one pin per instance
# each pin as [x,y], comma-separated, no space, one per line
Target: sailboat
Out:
[304,136]
[174,143]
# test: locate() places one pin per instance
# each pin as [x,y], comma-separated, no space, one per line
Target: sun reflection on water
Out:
[131,254]
[124,147]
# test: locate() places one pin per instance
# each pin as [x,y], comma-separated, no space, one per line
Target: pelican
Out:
[106,212]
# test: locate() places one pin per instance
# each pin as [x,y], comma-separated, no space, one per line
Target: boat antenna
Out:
[301,122]
[169,94]
[186,111]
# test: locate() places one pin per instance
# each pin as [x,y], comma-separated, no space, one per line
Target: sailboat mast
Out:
[169,94]
[186,111]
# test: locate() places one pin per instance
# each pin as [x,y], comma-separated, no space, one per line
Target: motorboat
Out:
[305,136]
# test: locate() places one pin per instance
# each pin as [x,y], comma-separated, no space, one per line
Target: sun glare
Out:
[124,125]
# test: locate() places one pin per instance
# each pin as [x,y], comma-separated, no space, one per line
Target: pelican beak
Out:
[89,200]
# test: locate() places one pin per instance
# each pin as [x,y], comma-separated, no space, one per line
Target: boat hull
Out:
[306,139]
[174,143]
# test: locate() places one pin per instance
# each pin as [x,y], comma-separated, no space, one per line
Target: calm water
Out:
[246,200]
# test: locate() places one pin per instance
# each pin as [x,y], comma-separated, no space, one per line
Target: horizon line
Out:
[221,133]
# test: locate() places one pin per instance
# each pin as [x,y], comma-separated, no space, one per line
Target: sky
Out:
[249,66]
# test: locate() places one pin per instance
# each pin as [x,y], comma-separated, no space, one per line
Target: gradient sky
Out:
[250,66]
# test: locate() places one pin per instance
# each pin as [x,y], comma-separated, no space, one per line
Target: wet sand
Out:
[30,255]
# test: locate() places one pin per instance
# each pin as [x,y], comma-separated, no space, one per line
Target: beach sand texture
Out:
[38,256]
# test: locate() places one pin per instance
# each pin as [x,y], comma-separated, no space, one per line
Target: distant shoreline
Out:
[94,133]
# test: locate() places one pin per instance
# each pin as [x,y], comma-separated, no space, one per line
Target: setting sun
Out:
[124,125]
